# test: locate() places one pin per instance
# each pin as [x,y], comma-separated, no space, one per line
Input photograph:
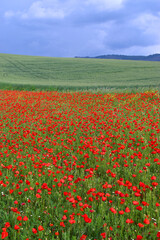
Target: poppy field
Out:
[79,165]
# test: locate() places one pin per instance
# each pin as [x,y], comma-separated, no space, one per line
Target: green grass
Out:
[46,73]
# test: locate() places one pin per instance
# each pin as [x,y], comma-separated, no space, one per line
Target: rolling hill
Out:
[153,57]
[29,72]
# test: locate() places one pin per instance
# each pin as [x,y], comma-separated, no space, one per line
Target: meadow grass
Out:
[46,73]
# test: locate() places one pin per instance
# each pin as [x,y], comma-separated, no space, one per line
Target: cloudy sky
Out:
[68,28]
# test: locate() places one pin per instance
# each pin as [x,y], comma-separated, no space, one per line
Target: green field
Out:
[28,72]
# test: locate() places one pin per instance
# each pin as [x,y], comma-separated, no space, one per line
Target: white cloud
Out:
[139,50]
[39,10]
[42,10]
[146,20]
[57,9]
[149,24]
[106,4]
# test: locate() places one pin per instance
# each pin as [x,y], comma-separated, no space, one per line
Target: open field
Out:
[26,72]
[79,166]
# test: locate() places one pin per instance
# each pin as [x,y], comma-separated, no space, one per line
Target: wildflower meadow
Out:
[79,165]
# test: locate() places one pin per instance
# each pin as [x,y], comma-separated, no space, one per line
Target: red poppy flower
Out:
[104,235]
[72,221]
[135,203]
[140,225]
[146,221]
[16,227]
[129,221]
[25,218]
[139,237]
[40,228]
[83,237]
[34,230]
[62,224]
[113,210]
[19,218]
[121,212]
[7,224]
[4,235]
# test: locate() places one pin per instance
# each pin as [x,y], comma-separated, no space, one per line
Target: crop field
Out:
[79,165]
[28,72]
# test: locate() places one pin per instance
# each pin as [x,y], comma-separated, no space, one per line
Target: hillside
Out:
[29,72]
[154,57]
